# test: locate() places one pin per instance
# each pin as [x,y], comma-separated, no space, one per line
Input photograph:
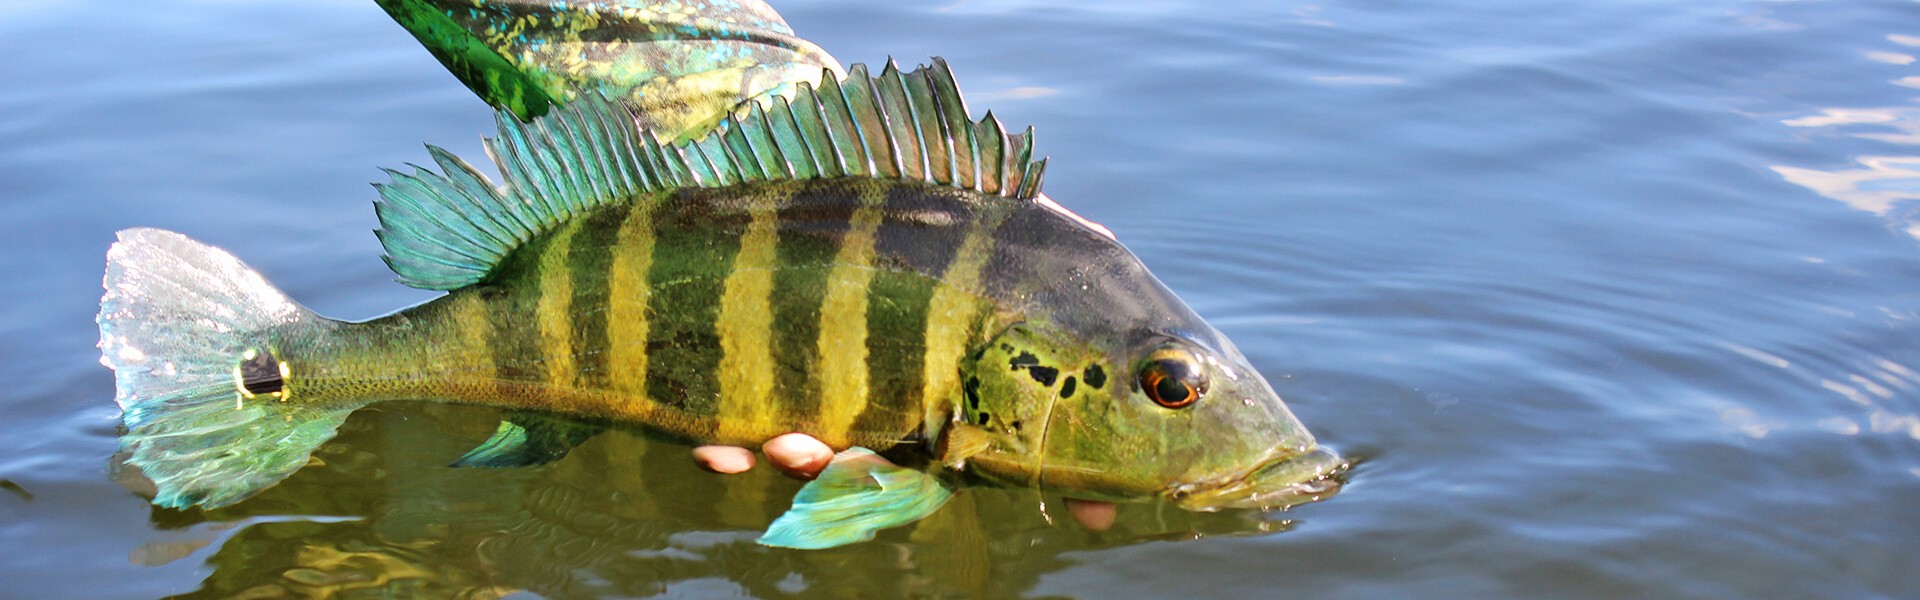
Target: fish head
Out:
[1153,413]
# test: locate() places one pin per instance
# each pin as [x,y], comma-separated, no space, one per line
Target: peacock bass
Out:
[857,259]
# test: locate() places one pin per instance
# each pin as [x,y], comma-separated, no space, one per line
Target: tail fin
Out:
[190,334]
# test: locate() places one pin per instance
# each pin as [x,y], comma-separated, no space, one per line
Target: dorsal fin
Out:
[451,229]
[681,65]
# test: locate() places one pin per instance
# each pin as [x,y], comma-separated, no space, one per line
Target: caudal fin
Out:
[191,335]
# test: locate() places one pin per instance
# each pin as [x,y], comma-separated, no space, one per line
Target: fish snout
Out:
[1288,478]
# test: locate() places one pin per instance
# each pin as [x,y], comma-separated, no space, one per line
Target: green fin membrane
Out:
[451,229]
[682,64]
[179,322]
[528,439]
[858,494]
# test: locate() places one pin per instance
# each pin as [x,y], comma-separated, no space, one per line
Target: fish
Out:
[855,257]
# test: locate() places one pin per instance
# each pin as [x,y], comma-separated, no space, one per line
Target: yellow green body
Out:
[715,316]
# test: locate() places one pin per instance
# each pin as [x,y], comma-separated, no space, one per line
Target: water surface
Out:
[1610,299]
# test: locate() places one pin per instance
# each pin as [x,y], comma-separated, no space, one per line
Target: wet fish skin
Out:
[859,260]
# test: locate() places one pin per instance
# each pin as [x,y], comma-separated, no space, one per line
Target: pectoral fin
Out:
[858,494]
[527,439]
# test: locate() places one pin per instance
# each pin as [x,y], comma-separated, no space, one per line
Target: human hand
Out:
[798,455]
[802,457]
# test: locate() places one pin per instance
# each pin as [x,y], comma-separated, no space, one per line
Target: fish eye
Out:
[1172,378]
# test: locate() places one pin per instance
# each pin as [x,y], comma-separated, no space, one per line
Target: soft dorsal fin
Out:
[450,229]
[680,65]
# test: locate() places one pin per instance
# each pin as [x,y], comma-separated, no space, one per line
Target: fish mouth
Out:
[1287,479]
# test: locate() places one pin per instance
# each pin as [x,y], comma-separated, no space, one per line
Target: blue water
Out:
[1609,298]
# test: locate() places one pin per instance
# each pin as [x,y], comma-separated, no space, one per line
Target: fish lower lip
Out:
[1290,481]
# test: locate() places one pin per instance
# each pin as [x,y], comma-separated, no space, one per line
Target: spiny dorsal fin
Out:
[910,126]
[451,229]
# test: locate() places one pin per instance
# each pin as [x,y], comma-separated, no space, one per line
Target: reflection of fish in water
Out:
[856,259]
[613,519]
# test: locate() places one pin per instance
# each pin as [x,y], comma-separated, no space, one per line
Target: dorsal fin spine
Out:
[654,164]
[936,140]
[452,229]
[895,102]
[674,161]
[704,173]
[549,151]
[743,155]
[990,137]
[726,167]
[844,128]
[806,112]
[1030,178]
[737,168]
[686,162]
[550,175]
[522,175]
[792,146]
[1018,164]
[953,109]
[732,145]
[588,174]
[626,144]
[870,121]
[552,150]
[520,190]
[760,137]
[601,157]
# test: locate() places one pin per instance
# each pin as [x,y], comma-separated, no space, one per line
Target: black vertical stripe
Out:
[513,301]
[896,353]
[919,237]
[591,262]
[694,248]
[812,226]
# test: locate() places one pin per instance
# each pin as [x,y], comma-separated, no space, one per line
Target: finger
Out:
[723,459]
[799,455]
[1092,514]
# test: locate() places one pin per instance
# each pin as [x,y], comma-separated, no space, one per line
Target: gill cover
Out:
[1138,416]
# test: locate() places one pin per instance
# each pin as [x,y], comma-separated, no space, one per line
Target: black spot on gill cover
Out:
[1023,360]
[1044,375]
[1096,376]
[1066,389]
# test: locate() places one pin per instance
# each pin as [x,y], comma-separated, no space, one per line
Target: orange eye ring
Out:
[1172,378]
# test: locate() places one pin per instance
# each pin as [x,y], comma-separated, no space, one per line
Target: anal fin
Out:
[526,439]
[858,494]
